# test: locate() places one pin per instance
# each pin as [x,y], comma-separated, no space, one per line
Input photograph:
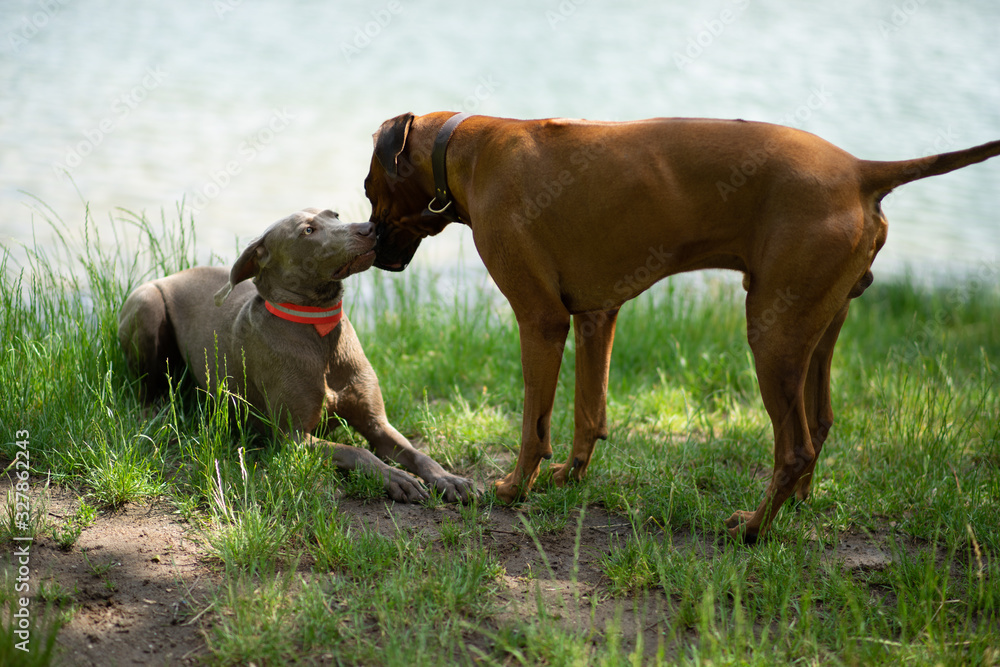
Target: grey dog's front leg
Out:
[389,444]
[399,485]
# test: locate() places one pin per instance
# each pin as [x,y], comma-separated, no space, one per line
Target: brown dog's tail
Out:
[881,178]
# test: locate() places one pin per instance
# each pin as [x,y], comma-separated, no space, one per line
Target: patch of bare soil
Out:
[135,579]
[857,552]
[139,580]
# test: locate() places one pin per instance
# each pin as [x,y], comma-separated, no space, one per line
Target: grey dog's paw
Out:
[403,487]
[453,488]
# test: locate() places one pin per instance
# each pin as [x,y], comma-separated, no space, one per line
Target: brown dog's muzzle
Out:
[393,249]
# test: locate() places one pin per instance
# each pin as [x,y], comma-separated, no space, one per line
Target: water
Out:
[250,110]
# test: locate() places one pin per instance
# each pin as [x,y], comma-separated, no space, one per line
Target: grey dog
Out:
[282,343]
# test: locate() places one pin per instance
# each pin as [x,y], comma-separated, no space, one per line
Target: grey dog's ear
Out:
[247,266]
[390,139]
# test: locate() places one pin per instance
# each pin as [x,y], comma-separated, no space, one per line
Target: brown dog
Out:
[573,218]
[282,342]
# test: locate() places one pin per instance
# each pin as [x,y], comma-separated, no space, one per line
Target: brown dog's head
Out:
[399,187]
[303,258]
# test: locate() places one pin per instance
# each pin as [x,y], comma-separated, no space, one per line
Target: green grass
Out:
[912,468]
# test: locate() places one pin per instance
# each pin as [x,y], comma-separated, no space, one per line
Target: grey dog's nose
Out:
[366,229]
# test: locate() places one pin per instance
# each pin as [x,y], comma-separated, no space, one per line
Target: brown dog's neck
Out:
[425,131]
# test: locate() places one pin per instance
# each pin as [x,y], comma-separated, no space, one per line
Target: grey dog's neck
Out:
[324,295]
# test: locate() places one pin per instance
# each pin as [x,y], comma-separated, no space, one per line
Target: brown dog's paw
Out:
[571,471]
[802,488]
[738,527]
[507,491]
[560,473]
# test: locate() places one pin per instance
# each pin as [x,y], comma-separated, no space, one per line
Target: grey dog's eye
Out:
[308,230]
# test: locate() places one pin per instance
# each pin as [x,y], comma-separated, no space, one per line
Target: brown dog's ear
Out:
[390,139]
[247,266]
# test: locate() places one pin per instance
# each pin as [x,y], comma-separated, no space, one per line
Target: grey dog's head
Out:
[303,258]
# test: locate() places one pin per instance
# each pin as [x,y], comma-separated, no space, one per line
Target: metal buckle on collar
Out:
[438,211]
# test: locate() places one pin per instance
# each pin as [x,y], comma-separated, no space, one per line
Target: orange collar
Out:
[324,319]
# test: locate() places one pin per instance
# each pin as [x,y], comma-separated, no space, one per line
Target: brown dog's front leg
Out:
[595,335]
[542,341]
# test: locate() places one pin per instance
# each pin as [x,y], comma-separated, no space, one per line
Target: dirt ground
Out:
[136,577]
[140,580]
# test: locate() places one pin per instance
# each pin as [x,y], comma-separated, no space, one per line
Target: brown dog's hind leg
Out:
[595,335]
[543,337]
[817,393]
[785,326]
[819,410]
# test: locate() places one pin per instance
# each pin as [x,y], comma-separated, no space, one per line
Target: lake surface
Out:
[248,111]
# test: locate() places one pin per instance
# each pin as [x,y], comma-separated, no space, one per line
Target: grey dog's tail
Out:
[880,178]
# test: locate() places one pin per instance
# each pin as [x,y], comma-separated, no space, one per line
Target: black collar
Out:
[442,201]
